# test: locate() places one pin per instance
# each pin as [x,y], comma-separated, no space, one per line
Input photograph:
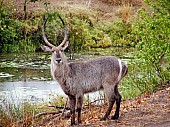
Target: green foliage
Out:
[83,34]
[79,33]
[150,34]
[153,55]
[160,6]
[120,33]
[17,35]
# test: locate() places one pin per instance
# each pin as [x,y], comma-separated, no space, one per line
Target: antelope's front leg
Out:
[79,107]
[72,108]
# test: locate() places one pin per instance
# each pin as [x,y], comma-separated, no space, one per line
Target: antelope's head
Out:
[57,51]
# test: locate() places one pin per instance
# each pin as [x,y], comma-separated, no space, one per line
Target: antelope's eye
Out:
[53,50]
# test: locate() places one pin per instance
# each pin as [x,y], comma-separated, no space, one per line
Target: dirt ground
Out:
[145,111]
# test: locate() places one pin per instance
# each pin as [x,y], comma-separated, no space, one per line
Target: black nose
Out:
[58,60]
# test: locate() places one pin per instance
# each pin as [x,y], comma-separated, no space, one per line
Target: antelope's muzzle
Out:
[58,60]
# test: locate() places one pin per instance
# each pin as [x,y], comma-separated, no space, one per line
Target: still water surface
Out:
[26,77]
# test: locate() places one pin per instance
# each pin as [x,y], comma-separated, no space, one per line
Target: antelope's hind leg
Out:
[111,98]
[111,103]
[118,100]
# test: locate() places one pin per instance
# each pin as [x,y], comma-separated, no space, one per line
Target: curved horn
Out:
[44,36]
[65,33]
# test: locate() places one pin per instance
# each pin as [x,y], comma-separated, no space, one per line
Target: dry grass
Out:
[121,2]
[125,12]
[104,9]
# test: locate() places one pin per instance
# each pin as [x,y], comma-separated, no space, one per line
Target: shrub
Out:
[17,35]
[119,33]
[153,55]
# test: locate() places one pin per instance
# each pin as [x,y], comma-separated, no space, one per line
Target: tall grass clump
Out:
[19,113]
[12,114]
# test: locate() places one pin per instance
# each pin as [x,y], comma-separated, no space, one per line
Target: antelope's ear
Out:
[65,45]
[46,48]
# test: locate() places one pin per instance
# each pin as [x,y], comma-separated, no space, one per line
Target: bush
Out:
[120,33]
[153,55]
[83,34]
[17,35]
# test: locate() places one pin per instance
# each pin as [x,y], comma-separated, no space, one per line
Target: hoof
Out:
[103,119]
[115,117]
[73,123]
[79,122]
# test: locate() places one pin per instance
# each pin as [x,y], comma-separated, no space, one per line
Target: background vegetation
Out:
[21,30]
[153,48]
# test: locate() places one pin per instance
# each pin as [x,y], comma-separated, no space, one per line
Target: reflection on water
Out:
[25,76]
[20,92]
[24,67]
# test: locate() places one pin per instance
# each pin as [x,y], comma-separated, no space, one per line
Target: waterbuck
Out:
[77,78]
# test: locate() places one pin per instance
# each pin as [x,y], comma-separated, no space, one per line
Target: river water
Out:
[27,78]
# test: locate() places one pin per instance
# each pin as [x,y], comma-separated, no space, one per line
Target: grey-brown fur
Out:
[78,78]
